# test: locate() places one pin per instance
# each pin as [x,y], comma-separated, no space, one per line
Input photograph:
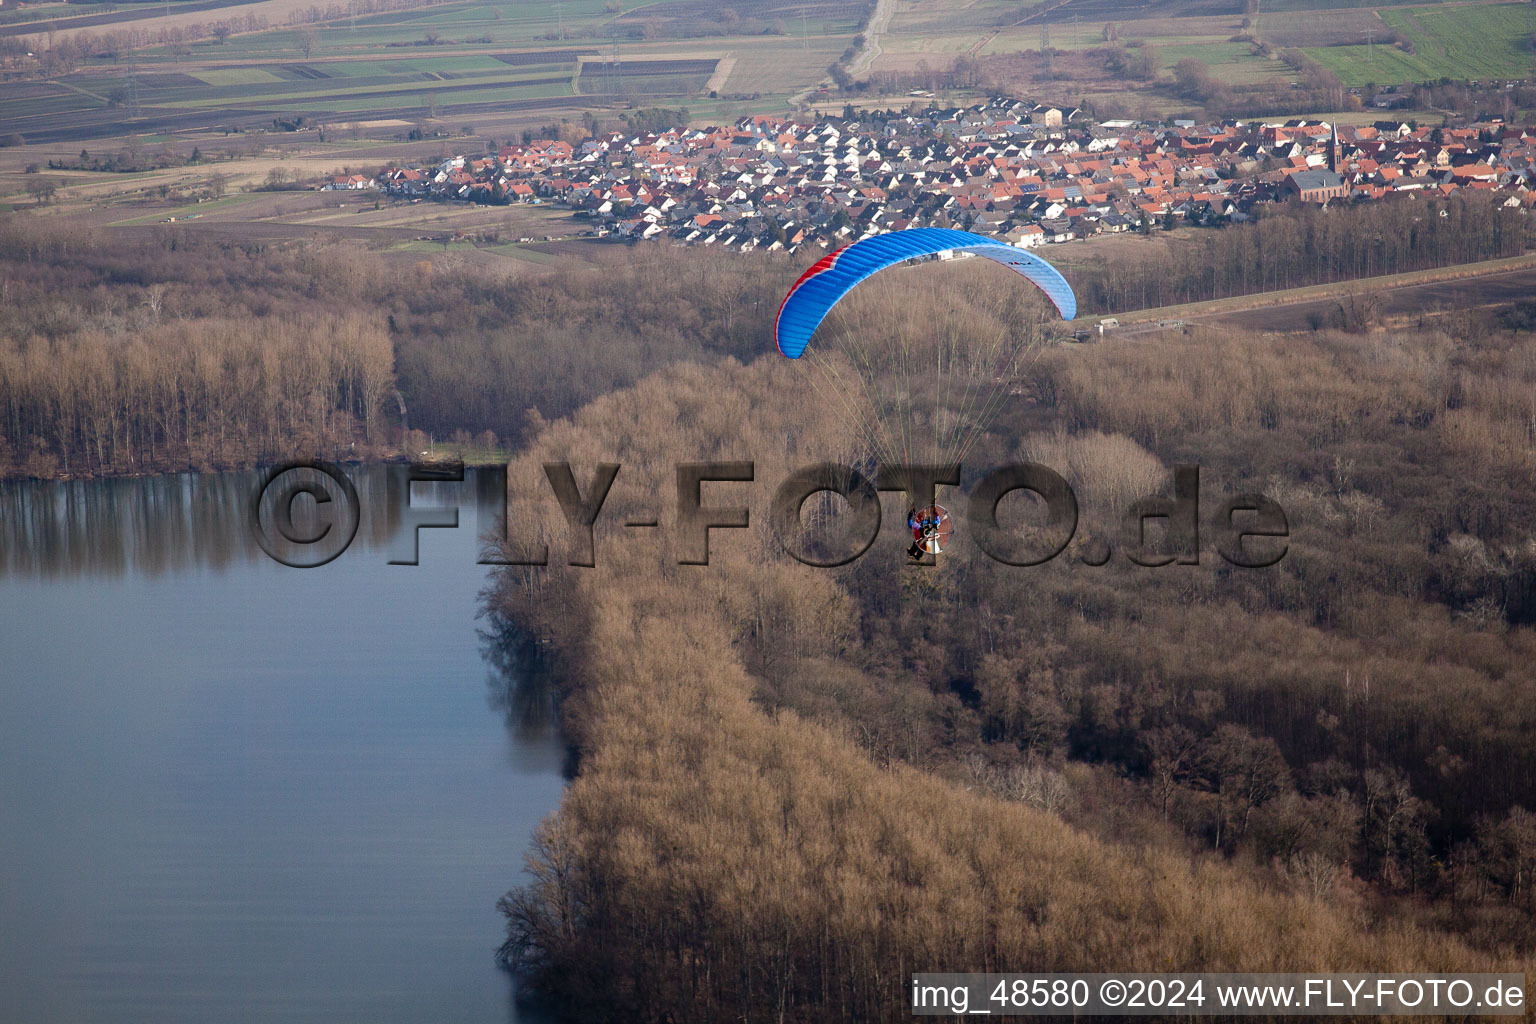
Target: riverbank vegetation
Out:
[166,349]
[169,350]
[797,786]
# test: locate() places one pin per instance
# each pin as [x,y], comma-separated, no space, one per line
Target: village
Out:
[1029,173]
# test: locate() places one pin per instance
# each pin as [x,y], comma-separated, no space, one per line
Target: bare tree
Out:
[1172,752]
[154,301]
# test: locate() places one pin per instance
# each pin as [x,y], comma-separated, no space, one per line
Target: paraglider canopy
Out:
[920,363]
[835,275]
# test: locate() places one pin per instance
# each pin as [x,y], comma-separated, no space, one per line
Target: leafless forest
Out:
[175,350]
[798,785]
[1302,245]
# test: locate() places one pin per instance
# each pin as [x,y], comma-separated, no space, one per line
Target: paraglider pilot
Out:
[922,528]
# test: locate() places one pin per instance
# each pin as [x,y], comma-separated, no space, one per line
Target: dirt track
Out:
[878,22]
[1407,300]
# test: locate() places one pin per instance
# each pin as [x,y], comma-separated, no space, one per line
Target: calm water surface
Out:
[234,791]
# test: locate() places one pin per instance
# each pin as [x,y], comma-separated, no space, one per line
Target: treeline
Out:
[1478,101]
[1295,245]
[128,160]
[118,357]
[964,72]
[839,69]
[216,393]
[797,787]
[473,351]
[127,353]
[65,54]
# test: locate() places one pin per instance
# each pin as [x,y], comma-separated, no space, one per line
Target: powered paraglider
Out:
[918,387]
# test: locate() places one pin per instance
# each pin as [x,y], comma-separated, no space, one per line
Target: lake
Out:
[231,790]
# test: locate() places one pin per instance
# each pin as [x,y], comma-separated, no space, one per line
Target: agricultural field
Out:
[1277,6]
[702,18]
[935,33]
[650,77]
[35,12]
[936,27]
[1340,28]
[1109,10]
[1232,63]
[99,102]
[504,63]
[1462,41]
[1355,40]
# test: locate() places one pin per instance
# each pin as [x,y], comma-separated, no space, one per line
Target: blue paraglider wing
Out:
[836,274]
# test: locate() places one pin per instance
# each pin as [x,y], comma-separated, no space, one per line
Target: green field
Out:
[237,76]
[1277,6]
[1233,63]
[369,104]
[383,97]
[1452,39]
[1472,41]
